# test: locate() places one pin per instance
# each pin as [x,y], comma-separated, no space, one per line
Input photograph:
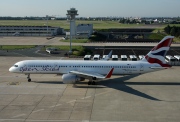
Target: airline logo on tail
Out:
[158,53]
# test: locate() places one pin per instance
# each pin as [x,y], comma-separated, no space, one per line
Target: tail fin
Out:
[158,53]
[108,56]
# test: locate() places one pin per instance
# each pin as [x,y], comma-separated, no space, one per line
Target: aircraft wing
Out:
[92,74]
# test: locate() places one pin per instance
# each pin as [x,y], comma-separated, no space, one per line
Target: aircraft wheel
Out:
[89,83]
[29,80]
[93,83]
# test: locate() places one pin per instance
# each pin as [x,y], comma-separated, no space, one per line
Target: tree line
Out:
[174,30]
[130,21]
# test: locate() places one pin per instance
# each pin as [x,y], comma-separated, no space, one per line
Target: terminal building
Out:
[30,31]
[82,31]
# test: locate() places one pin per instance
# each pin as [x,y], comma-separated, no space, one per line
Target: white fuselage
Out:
[65,66]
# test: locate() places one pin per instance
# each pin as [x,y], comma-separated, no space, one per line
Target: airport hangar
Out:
[148,97]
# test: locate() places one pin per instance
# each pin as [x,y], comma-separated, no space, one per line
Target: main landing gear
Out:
[28,77]
[92,81]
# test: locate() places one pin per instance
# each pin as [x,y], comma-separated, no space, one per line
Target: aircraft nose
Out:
[11,69]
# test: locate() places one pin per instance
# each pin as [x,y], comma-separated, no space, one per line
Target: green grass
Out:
[64,47]
[161,36]
[65,24]
[77,50]
[15,47]
[177,25]
[176,39]
[76,40]
[156,36]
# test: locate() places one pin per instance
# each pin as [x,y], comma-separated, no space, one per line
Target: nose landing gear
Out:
[28,77]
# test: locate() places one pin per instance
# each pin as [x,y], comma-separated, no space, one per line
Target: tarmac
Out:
[149,97]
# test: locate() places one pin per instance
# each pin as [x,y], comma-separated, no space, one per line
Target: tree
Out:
[167,29]
[122,20]
[178,33]
[127,21]
[173,31]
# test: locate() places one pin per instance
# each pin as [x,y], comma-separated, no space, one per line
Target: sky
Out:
[91,8]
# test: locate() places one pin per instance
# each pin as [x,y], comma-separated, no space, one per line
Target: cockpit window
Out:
[15,65]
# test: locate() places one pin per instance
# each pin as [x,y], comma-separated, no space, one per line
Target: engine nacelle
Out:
[70,78]
[94,78]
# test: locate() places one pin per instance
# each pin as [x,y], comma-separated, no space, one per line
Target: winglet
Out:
[110,73]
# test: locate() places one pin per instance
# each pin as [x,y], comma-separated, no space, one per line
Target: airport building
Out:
[30,31]
[82,31]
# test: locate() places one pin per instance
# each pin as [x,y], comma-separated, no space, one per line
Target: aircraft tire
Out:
[93,83]
[89,83]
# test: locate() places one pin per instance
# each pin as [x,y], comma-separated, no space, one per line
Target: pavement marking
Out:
[38,110]
[55,105]
[52,107]
[1,120]
[20,54]
[103,93]
[54,120]
[11,76]
[87,97]
[29,120]
[19,115]
[61,58]
[71,101]
[37,52]
[58,104]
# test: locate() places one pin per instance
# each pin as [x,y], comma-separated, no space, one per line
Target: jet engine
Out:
[70,78]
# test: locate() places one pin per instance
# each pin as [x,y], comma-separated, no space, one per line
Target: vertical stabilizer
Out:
[158,53]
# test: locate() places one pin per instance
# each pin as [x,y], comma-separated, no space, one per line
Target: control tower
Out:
[71,14]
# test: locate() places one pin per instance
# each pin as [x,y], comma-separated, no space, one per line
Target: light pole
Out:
[47,23]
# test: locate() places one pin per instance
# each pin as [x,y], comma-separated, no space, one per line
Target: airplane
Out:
[97,57]
[73,71]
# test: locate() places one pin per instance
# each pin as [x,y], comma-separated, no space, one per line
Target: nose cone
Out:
[11,69]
